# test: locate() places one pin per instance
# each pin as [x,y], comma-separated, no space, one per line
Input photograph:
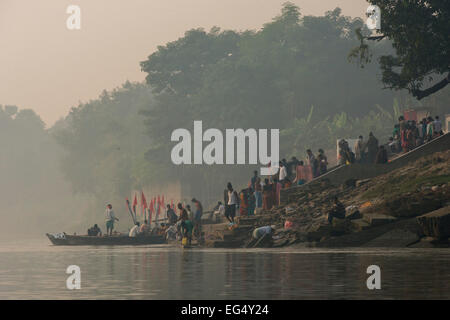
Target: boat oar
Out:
[131,211]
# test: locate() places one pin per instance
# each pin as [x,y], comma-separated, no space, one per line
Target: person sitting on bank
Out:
[134,232]
[260,232]
[145,228]
[337,211]
[94,231]
[110,219]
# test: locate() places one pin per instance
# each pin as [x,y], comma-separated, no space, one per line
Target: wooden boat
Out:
[115,240]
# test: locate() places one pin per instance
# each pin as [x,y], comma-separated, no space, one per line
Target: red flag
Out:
[150,212]
[144,201]
[143,205]
[135,202]
[158,206]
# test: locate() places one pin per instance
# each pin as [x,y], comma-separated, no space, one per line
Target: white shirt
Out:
[222,210]
[134,231]
[283,173]
[232,198]
[437,126]
[110,216]
[263,230]
[420,128]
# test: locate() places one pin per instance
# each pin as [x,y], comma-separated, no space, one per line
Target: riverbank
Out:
[395,209]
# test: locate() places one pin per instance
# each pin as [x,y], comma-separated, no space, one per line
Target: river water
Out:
[37,270]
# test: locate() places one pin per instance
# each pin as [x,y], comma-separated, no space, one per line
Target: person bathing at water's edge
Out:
[186,225]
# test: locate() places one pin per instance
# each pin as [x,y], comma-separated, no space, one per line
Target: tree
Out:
[419,31]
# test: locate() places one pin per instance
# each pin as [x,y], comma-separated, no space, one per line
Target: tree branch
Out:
[378,38]
[420,94]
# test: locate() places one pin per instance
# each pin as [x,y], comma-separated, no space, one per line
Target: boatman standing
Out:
[110,218]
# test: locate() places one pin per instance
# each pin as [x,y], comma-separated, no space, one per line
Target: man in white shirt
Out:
[437,126]
[134,232]
[110,218]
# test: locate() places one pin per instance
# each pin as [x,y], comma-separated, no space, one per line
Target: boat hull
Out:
[122,240]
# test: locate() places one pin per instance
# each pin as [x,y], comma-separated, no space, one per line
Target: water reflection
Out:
[170,273]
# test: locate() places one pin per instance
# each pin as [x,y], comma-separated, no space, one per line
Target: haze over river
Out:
[37,270]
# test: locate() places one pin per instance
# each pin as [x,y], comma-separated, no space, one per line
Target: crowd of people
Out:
[265,193]
[184,226]
[406,136]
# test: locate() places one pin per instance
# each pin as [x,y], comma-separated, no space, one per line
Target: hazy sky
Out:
[46,67]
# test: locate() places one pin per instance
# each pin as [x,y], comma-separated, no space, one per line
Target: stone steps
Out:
[375,219]
[360,224]
[436,224]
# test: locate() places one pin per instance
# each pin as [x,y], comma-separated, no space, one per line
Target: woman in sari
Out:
[251,202]
[258,193]
[267,195]
[243,208]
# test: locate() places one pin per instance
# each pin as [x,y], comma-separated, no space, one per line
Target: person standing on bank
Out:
[232,200]
[359,149]
[110,218]
[197,217]
[323,162]
[372,148]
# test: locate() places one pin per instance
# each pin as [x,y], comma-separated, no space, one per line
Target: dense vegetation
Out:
[419,31]
[293,74]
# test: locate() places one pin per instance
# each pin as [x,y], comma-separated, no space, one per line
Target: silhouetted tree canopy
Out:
[419,32]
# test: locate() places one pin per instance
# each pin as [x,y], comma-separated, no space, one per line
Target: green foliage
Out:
[269,78]
[260,79]
[419,31]
[306,134]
